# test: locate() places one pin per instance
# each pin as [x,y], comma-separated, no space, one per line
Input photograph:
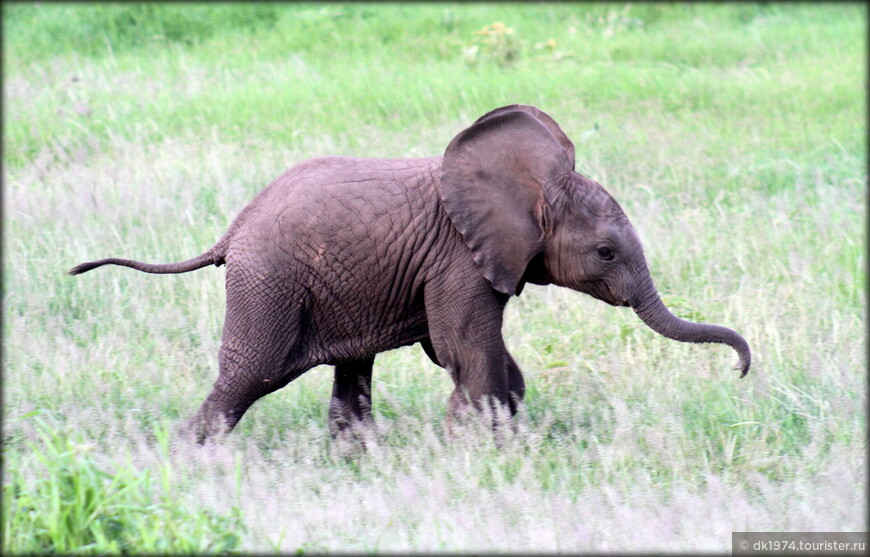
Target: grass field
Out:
[733,135]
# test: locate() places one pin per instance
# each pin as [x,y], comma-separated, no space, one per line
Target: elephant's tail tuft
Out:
[208,258]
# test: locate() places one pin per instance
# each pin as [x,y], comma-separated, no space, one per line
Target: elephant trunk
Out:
[657,317]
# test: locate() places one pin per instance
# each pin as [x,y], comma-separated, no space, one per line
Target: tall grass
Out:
[60,498]
[733,136]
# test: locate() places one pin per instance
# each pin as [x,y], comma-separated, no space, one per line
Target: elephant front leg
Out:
[465,331]
[351,402]
[516,383]
[487,383]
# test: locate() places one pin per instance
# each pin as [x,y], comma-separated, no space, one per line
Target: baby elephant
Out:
[342,258]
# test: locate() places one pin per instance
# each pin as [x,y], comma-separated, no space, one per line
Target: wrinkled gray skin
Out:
[342,258]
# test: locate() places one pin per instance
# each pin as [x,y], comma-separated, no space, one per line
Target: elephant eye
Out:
[604,252]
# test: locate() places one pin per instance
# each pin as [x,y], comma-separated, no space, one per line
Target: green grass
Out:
[75,505]
[734,135]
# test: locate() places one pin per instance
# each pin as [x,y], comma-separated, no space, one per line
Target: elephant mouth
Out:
[619,303]
[604,292]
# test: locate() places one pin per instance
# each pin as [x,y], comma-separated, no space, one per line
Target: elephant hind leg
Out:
[258,355]
[227,403]
[351,402]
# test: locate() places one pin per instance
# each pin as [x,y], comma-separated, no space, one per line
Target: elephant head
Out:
[509,187]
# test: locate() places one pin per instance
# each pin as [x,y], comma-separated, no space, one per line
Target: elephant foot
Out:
[350,423]
[351,435]
[209,424]
[489,418]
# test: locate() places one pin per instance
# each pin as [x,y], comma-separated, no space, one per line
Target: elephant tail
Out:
[211,257]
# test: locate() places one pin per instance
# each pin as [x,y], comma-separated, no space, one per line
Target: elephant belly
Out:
[341,329]
[365,343]
[356,311]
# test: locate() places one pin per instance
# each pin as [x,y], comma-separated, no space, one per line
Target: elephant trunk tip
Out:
[745,360]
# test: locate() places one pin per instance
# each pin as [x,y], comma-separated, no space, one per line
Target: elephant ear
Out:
[493,181]
[544,118]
